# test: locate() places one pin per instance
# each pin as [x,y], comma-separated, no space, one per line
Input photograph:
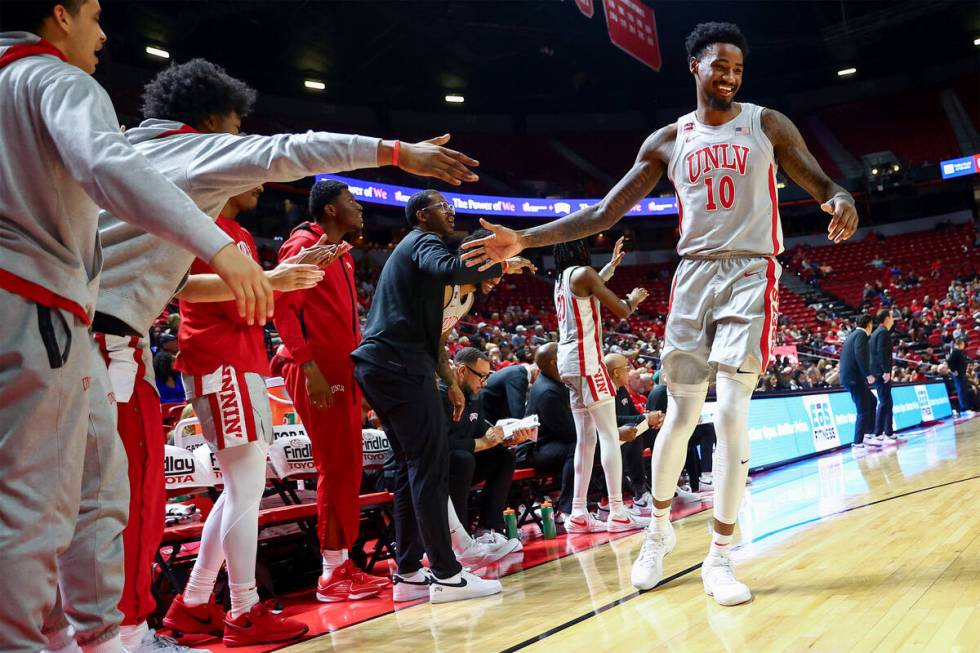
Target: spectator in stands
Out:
[554,451]
[881,369]
[855,375]
[476,452]
[169,383]
[505,394]
[958,363]
[634,433]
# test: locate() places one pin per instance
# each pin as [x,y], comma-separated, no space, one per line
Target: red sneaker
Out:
[381,582]
[347,583]
[205,619]
[260,626]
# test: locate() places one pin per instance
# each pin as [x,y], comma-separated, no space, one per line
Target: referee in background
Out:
[881,369]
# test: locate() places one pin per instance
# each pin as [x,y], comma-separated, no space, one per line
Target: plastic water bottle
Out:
[510,521]
[548,521]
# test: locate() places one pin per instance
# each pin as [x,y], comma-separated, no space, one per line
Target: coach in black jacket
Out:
[396,366]
[958,364]
[505,394]
[855,375]
[881,369]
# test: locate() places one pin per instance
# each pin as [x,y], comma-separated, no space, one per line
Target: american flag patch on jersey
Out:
[742,131]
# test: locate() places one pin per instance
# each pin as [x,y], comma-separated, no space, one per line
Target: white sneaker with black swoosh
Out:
[411,587]
[460,587]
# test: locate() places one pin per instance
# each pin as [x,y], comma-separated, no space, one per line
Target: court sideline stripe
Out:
[629,597]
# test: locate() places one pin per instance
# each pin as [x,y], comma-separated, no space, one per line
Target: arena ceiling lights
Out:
[847,72]
[314,85]
[455,99]
[159,53]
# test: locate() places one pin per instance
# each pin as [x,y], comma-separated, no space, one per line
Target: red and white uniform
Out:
[580,346]
[724,297]
[224,362]
[321,324]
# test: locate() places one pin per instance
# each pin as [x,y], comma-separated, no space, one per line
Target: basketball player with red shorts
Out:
[722,159]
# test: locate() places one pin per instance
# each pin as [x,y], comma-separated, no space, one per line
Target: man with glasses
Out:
[476,452]
[396,365]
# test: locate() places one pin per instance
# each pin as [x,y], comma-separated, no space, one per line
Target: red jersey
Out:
[211,333]
[320,323]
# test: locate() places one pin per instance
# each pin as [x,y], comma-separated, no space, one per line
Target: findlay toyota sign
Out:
[495,205]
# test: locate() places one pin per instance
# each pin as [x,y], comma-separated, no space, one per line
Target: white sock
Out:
[200,585]
[113,645]
[243,597]
[616,506]
[332,560]
[578,507]
[461,540]
[661,517]
[720,544]
[132,636]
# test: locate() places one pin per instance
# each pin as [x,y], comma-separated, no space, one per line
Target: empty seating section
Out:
[912,125]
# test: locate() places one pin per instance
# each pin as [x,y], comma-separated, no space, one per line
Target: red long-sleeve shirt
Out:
[211,333]
[320,323]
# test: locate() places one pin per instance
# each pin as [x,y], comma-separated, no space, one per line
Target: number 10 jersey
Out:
[725,178]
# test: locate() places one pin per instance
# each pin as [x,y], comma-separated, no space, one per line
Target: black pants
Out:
[411,412]
[883,416]
[552,458]
[494,466]
[633,464]
[864,402]
[963,393]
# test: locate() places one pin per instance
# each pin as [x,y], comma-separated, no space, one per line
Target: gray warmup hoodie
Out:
[62,155]
[142,272]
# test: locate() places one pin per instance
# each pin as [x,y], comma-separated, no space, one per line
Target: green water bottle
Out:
[548,521]
[510,521]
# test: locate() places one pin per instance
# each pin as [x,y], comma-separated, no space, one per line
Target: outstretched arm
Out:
[650,165]
[586,281]
[795,159]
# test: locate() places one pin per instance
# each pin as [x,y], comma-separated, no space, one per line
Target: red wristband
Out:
[395,150]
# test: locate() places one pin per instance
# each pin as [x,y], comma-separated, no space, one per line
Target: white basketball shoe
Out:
[718,576]
[648,569]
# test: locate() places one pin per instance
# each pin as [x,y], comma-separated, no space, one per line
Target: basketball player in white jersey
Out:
[722,159]
[579,292]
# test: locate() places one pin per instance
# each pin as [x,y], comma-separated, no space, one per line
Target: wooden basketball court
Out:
[879,552]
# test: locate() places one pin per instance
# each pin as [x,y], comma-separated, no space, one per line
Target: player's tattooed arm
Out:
[793,156]
[651,163]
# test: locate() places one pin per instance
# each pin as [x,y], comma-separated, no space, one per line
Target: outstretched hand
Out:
[844,222]
[618,253]
[430,159]
[500,245]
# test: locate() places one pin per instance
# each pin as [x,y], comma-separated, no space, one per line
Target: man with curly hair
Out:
[64,494]
[722,159]
[193,115]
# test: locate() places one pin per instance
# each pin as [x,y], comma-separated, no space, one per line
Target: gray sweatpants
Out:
[63,484]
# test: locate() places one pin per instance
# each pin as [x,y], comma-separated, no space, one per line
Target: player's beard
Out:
[718,104]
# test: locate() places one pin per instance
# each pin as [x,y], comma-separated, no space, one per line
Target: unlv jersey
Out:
[725,178]
[579,330]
